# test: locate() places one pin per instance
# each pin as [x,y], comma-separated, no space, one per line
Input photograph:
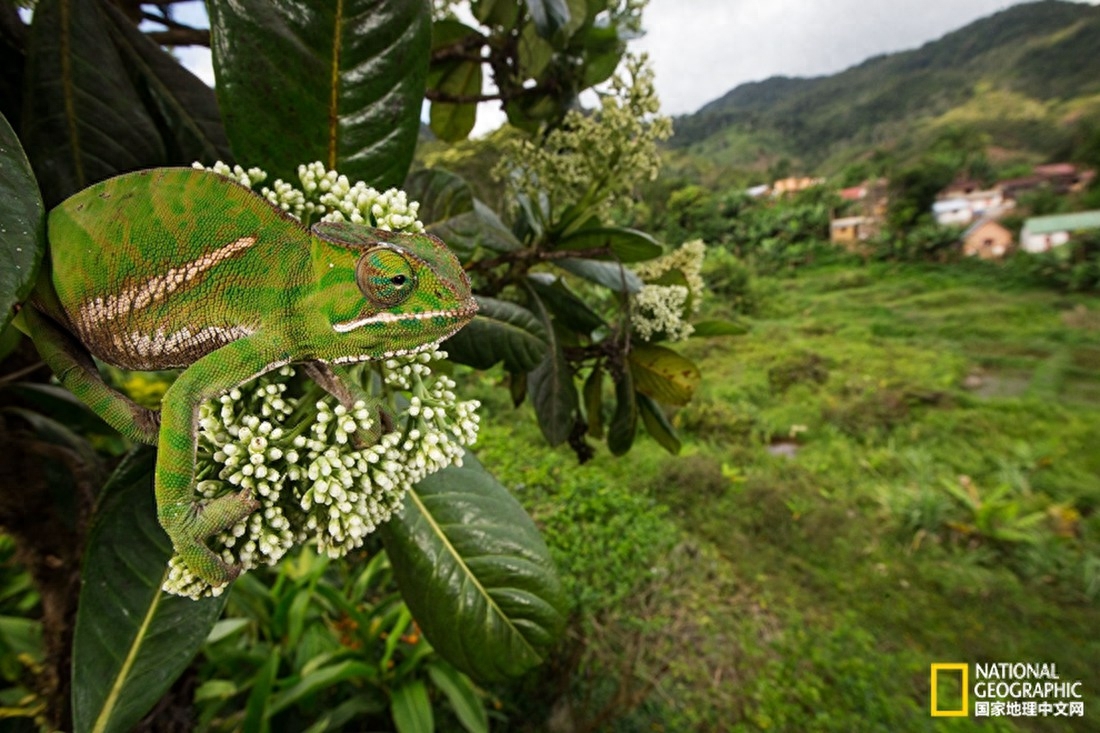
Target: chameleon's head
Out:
[409,290]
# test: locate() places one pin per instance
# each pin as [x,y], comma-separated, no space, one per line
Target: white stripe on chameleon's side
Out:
[387,317]
[158,287]
[184,340]
[355,359]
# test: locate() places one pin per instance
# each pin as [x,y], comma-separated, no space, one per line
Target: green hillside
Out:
[1027,77]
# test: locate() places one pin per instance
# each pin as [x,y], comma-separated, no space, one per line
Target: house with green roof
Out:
[1043,233]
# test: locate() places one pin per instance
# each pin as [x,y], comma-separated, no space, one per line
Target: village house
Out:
[962,203]
[1061,178]
[987,239]
[1043,233]
[794,185]
[850,231]
[965,201]
[868,203]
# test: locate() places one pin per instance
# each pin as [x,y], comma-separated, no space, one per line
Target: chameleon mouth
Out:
[461,315]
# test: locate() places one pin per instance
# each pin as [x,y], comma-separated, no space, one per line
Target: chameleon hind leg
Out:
[188,522]
[73,365]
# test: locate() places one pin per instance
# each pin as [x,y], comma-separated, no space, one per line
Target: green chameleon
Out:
[182,268]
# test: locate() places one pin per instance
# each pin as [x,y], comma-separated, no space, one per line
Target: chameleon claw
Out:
[190,529]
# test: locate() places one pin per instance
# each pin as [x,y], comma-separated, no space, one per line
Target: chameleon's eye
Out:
[385,276]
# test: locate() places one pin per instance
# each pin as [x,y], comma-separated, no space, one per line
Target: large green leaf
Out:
[568,309]
[624,421]
[186,109]
[442,195]
[501,331]
[132,640]
[83,121]
[476,573]
[657,424]
[609,274]
[450,211]
[340,82]
[454,121]
[603,51]
[550,384]
[22,231]
[663,374]
[626,245]
[704,329]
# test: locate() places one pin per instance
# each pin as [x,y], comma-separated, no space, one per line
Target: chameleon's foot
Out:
[190,525]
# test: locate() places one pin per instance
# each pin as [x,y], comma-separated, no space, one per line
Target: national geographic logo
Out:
[1005,689]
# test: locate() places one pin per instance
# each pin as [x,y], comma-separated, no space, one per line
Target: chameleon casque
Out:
[183,268]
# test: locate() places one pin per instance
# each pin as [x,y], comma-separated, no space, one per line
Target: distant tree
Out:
[914,189]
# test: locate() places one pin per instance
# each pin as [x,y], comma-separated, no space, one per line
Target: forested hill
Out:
[1026,76]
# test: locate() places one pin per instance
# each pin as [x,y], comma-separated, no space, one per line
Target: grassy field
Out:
[896,466]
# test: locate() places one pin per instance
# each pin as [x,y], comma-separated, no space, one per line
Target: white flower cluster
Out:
[315,482]
[331,197]
[688,259]
[662,309]
[598,157]
[659,309]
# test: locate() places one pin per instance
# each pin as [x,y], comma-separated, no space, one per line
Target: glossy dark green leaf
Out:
[663,374]
[447,32]
[340,82]
[412,709]
[626,245]
[496,12]
[657,424]
[550,16]
[534,52]
[609,274]
[454,121]
[603,51]
[83,120]
[132,640]
[22,228]
[593,402]
[550,384]
[450,212]
[476,573]
[517,387]
[186,109]
[568,309]
[494,234]
[501,331]
[442,195]
[624,420]
[460,692]
[705,329]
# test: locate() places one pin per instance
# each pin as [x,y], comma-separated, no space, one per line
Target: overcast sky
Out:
[701,49]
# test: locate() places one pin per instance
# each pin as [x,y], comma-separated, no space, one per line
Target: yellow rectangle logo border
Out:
[951,666]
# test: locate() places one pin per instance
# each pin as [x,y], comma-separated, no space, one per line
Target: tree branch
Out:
[181,37]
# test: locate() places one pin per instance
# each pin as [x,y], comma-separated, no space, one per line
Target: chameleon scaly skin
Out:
[182,268]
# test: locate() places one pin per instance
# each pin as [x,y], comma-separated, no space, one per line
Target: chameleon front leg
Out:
[188,523]
[73,365]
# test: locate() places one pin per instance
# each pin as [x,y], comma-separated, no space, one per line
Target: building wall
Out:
[1042,242]
[989,241]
